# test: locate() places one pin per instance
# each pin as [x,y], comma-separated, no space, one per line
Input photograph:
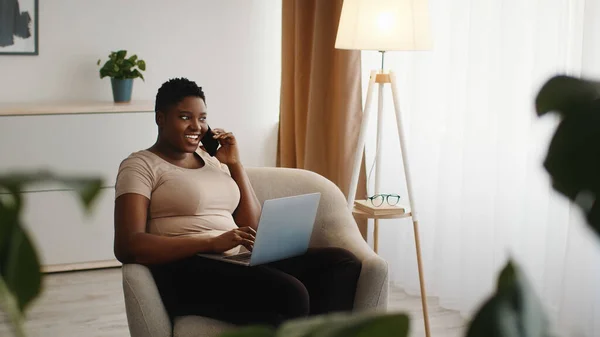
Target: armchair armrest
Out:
[146,314]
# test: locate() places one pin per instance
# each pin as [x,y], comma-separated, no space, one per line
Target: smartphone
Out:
[210,144]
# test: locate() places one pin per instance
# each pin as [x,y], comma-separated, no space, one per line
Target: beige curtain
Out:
[320,111]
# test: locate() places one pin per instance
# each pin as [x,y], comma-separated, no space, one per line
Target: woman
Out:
[174,201]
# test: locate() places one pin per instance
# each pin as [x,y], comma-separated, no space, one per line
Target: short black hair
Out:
[174,91]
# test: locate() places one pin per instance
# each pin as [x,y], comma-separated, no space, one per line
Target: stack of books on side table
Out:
[385,209]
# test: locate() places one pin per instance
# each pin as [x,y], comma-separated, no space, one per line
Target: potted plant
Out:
[122,71]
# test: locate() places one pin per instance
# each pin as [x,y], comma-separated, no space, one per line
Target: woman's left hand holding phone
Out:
[228,151]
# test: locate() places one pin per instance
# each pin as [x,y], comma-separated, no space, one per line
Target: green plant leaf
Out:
[108,65]
[21,267]
[19,264]
[98,63]
[565,95]
[141,64]
[8,218]
[251,331]
[9,303]
[573,156]
[20,276]
[87,188]
[121,54]
[370,324]
[133,58]
[104,73]
[127,65]
[380,326]
[136,73]
[507,277]
[513,311]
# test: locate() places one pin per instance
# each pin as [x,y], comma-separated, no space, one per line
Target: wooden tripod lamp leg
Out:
[378,157]
[412,202]
[421,277]
[360,146]
[376,236]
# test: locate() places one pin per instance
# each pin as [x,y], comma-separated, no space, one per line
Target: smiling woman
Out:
[193,195]
[175,200]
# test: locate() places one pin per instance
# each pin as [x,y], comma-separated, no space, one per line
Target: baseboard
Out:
[57,268]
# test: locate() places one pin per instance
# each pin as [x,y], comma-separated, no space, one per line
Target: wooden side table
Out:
[361,214]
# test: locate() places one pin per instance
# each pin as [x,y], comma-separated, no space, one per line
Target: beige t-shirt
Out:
[183,202]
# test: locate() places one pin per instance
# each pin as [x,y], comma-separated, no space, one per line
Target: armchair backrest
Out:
[334,225]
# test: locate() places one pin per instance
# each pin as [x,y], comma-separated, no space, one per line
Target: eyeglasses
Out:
[378,199]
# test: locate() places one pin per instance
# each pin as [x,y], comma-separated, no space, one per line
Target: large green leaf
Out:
[388,325]
[565,95]
[20,277]
[513,311]
[9,303]
[87,188]
[372,324]
[21,267]
[375,326]
[573,157]
[368,324]
[251,331]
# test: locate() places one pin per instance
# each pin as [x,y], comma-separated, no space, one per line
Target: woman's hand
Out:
[228,152]
[239,236]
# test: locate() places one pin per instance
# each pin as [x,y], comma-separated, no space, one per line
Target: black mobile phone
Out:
[210,144]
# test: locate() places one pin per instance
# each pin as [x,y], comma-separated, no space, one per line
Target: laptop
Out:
[284,231]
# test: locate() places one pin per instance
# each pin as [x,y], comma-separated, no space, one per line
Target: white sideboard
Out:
[82,138]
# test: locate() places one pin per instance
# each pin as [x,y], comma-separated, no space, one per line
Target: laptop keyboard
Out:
[244,257]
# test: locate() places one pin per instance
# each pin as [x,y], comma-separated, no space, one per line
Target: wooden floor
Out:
[90,304]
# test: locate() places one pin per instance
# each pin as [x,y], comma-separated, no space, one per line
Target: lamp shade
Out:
[384,25]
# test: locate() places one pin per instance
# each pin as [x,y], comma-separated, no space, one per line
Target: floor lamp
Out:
[385,25]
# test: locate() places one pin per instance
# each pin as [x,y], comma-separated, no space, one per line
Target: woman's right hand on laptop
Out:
[240,236]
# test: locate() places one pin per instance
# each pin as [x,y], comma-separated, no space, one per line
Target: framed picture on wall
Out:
[19,27]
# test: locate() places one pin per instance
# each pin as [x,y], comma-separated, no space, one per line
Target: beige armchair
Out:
[334,226]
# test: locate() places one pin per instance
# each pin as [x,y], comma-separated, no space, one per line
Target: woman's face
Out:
[183,126]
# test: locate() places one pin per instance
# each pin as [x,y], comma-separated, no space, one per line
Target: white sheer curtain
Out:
[476,150]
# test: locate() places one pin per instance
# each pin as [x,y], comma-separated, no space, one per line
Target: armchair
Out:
[334,226]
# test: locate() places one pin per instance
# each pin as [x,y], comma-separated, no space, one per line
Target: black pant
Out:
[321,281]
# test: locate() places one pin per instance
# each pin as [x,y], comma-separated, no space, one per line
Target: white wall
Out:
[229,47]
[591,41]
